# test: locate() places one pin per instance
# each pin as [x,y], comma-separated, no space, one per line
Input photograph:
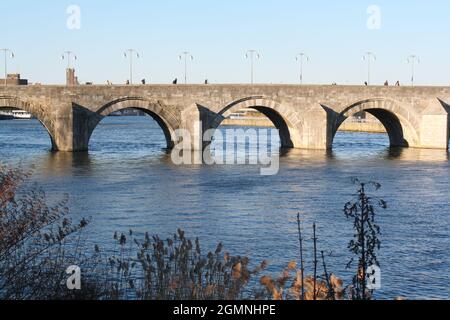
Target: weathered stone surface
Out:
[307,116]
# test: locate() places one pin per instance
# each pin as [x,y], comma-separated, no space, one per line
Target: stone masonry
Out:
[306,116]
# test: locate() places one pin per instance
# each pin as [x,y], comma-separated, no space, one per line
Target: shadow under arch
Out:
[14,103]
[286,122]
[399,124]
[165,118]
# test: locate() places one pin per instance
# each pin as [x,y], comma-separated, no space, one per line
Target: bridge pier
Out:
[434,127]
[434,132]
[314,134]
[83,124]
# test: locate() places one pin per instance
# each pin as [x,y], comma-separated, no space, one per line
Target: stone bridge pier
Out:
[307,117]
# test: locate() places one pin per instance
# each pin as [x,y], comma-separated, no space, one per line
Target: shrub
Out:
[176,269]
[32,239]
[366,241]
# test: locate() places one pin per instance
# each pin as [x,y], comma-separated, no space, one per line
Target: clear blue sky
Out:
[333,33]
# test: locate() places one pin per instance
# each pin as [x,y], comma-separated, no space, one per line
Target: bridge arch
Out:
[287,121]
[37,110]
[401,125]
[162,114]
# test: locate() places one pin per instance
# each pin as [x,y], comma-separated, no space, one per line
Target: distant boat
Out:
[6,115]
[15,115]
[127,113]
[21,115]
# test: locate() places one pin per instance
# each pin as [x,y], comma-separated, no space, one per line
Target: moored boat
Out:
[21,115]
[6,115]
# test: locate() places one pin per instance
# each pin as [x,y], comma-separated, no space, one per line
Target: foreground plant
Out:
[32,240]
[176,269]
[294,284]
[366,242]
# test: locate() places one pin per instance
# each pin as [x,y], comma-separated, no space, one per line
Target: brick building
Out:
[14,80]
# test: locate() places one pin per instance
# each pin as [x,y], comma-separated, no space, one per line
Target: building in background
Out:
[71,78]
[14,80]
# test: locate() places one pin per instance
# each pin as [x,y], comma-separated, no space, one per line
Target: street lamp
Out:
[11,55]
[301,58]
[186,56]
[369,57]
[413,59]
[69,54]
[252,54]
[130,53]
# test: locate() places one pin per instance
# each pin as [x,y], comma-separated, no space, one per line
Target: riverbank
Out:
[367,126]
[348,126]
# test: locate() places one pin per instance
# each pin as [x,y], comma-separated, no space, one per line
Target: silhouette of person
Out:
[206,81]
[143,81]
[397,84]
[128,82]
[386,83]
[175,81]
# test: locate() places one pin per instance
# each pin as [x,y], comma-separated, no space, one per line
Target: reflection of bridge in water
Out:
[307,117]
[59,163]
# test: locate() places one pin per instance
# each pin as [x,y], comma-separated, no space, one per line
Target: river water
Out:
[128,181]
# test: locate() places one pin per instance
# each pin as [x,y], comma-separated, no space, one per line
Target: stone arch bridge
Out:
[306,116]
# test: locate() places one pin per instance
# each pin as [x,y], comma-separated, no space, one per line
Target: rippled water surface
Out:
[127,181]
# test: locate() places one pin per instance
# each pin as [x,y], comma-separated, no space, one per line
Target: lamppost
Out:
[369,57]
[413,59]
[11,55]
[130,53]
[186,56]
[69,55]
[301,58]
[252,54]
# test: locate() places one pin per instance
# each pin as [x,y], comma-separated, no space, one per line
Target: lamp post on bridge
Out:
[413,59]
[69,55]
[186,55]
[300,58]
[130,53]
[252,55]
[369,57]
[11,55]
